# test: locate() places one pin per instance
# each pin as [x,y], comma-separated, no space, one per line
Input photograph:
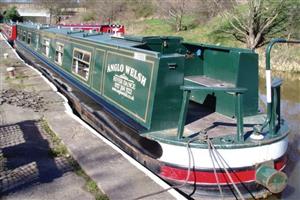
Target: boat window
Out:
[81,63]
[59,53]
[29,38]
[9,32]
[19,34]
[46,47]
[86,57]
[37,41]
[24,36]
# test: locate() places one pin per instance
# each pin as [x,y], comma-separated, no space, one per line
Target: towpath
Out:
[28,171]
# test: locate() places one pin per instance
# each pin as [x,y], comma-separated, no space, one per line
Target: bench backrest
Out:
[231,65]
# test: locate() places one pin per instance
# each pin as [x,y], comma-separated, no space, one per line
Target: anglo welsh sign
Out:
[127,84]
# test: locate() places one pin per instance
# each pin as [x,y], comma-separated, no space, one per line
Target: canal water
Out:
[290,108]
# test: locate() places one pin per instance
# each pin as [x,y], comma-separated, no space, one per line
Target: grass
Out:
[195,33]
[58,149]
[90,185]
[17,82]
[15,85]
[17,77]
[284,58]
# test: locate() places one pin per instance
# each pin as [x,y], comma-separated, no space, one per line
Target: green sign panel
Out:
[127,83]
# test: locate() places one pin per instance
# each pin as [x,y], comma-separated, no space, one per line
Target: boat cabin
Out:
[159,83]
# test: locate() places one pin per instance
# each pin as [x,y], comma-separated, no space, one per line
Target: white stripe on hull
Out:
[236,158]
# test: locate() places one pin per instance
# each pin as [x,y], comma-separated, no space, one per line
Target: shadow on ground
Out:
[25,158]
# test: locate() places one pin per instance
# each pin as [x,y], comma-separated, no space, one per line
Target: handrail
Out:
[238,110]
[75,31]
[269,79]
[92,34]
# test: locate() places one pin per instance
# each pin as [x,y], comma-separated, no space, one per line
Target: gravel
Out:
[22,99]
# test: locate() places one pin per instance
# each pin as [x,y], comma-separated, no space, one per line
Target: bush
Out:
[142,8]
[1,18]
[12,14]
[88,16]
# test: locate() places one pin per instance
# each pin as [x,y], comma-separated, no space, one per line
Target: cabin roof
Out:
[126,41]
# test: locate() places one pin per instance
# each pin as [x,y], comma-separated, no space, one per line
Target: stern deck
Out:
[216,125]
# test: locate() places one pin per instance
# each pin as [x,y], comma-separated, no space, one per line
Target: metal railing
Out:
[273,90]
[238,92]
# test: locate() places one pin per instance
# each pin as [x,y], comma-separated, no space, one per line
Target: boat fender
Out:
[275,181]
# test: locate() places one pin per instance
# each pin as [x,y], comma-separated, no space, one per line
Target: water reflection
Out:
[290,107]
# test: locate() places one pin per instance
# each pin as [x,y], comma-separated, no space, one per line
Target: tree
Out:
[257,21]
[205,10]
[1,18]
[12,14]
[105,9]
[293,26]
[175,10]
[141,8]
[56,8]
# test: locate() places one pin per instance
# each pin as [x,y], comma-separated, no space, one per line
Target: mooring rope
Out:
[230,187]
[226,171]
[235,175]
[215,156]
[190,159]
[212,157]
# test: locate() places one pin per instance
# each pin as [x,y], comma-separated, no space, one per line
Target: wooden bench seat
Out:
[208,82]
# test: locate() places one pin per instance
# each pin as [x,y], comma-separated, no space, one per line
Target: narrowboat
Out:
[105,28]
[187,111]
[9,31]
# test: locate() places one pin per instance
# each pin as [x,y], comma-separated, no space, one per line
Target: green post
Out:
[273,114]
[183,113]
[239,117]
[275,107]
[278,108]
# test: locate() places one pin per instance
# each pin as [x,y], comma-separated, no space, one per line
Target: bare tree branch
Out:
[263,20]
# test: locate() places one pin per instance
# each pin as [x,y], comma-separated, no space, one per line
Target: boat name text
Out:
[128,70]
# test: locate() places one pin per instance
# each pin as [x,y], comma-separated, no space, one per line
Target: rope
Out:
[229,186]
[215,172]
[190,158]
[235,175]
[224,167]
[215,157]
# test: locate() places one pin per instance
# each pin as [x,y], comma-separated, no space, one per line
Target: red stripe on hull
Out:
[207,177]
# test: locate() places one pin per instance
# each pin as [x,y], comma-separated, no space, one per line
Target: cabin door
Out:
[97,71]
